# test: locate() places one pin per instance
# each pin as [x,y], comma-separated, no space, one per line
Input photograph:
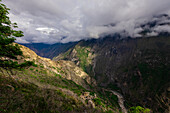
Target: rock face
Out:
[139,68]
[72,72]
[67,69]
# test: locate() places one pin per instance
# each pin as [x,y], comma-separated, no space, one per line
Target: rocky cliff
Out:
[137,68]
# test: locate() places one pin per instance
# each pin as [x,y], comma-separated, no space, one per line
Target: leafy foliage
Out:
[8,50]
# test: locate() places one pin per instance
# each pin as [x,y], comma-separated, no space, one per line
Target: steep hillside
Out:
[65,68]
[50,50]
[137,68]
[52,87]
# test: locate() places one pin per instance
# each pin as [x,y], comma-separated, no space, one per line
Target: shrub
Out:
[139,109]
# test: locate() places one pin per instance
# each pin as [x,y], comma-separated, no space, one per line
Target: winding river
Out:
[119,96]
[120,100]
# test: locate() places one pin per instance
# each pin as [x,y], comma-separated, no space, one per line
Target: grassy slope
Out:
[38,90]
[33,88]
[30,98]
[44,88]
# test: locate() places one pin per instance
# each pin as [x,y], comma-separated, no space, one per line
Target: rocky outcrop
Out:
[75,73]
[66,69]
[88,98]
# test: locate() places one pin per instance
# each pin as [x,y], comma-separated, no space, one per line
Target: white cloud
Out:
[47,31]
[49,21]
[152,34]
[21,40]
[164,28]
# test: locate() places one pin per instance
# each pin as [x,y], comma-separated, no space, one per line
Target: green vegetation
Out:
[154,74]
[97,101]
[31,69]
[46,77]
[113,87]
[109,98]
[138,109]
[43,91]
[53,67]
[82,54]
[66,53]
[36,89]
[58,75]
[41,66]
[149,75]
[60,70]
[24,97]
[9,51]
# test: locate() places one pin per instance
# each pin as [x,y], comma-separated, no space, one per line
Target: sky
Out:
[52,21]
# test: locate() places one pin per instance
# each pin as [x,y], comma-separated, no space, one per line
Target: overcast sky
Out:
[51,21]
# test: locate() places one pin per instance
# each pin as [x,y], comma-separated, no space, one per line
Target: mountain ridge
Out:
[50,50]
[130,66]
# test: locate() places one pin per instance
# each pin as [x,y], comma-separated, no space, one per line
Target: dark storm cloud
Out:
[49,21]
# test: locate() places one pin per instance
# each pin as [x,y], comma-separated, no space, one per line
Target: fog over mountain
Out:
[51,21]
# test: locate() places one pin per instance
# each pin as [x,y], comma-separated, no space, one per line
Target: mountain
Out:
[50,50]
[121,71]
[52,86]
[139,68]
[113,74]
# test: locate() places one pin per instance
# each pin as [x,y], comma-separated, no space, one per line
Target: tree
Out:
[9,51]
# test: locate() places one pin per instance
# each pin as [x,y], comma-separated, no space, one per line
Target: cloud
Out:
[165,28]
[48,21]
[47,31]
